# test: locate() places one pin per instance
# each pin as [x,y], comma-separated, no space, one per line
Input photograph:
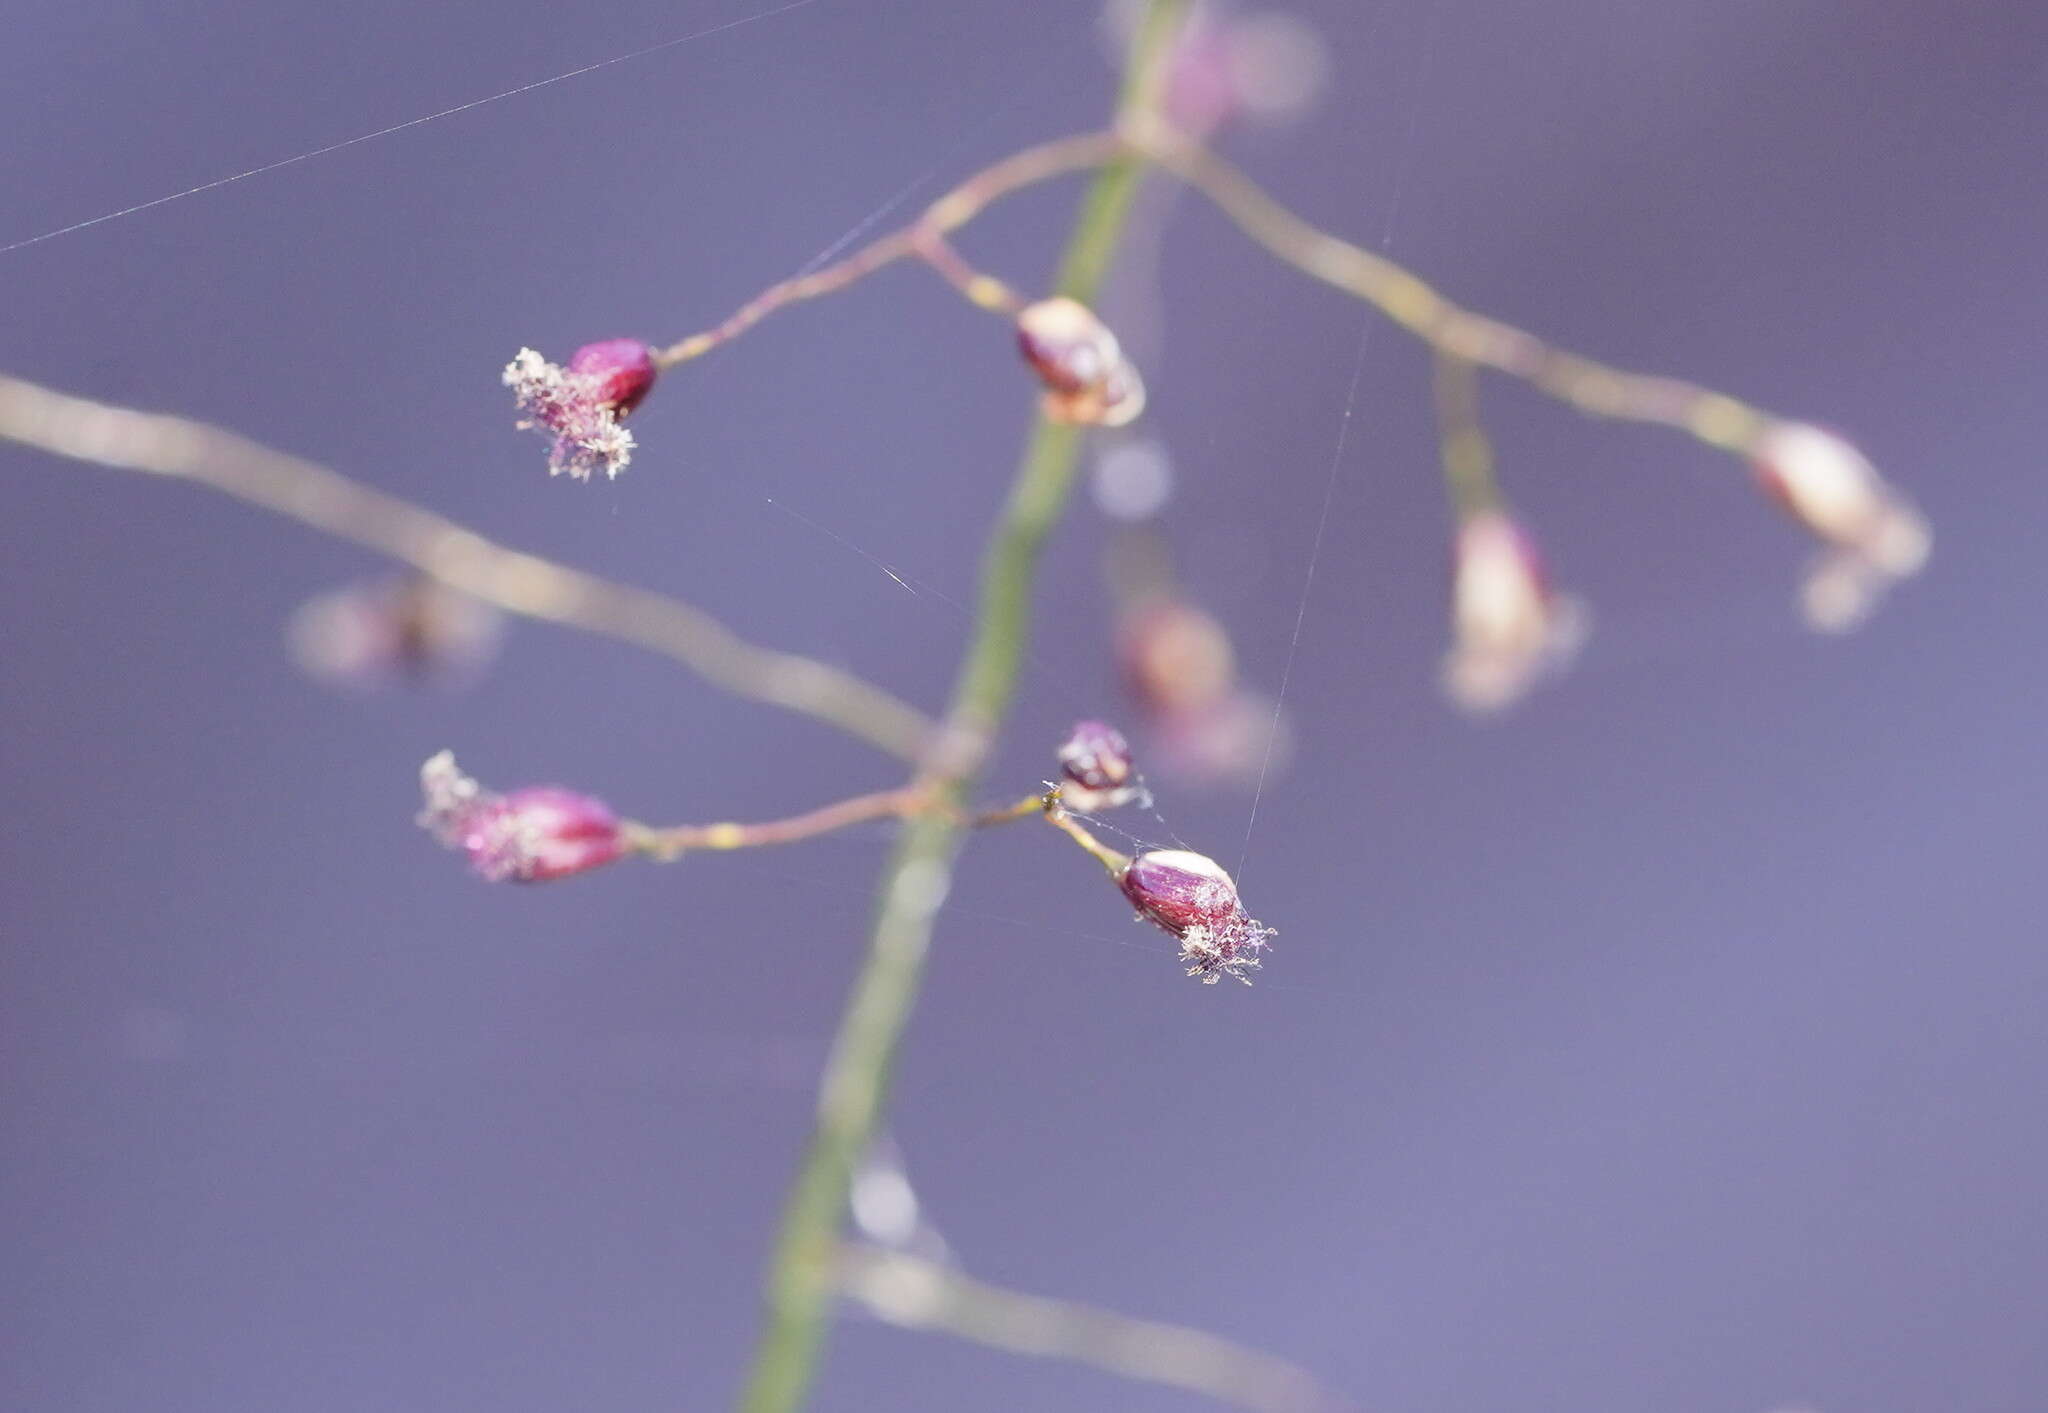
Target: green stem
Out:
[801,1279]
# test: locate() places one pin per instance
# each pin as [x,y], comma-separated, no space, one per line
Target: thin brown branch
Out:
[950,212]
[674,841]
[923,1295]
[669,842]
[519,583]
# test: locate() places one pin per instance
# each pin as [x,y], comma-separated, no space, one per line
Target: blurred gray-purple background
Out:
[1674,1043]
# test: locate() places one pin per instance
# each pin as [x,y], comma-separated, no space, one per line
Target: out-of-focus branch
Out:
[517,582]
[917,1294]
[913,885]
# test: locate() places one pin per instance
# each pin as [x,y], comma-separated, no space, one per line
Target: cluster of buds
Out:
[531,835]
[404,630]
[1510,626]
[1087,378]
[1096,769]
[1190,896]
[581,407]
[1872,536]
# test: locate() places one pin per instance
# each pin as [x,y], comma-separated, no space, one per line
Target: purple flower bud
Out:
[1190,896]
[624,370]
[528,836]
[1095,756]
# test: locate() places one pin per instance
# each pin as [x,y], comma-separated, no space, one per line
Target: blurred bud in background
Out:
[1872,536]
[399,631]
[1231,65]
[1509,626]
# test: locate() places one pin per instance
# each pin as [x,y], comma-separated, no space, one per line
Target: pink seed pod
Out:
[1510,627]
[1087,379]
[1872,536]
[580,407]
[531,835]
[1191,897]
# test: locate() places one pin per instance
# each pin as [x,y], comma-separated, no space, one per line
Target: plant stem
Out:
[801,1279]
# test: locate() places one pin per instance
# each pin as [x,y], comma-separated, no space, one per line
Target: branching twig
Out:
[458,557]
[1591,387]
[950,212]
[917,1294]
[1405,298]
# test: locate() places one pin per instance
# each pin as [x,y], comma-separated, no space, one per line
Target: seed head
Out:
[581,406]
[1191,897]
[528,836]
[1871,536]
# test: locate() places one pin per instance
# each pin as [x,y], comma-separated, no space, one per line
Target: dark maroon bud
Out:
[1096,756]
[1189,895]
[1178,889]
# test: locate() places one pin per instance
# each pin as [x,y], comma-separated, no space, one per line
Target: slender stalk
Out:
[1592,387]
[984,291]
[455,555]
[801,1279]
[673,841]
[666,843]
[1467,452]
